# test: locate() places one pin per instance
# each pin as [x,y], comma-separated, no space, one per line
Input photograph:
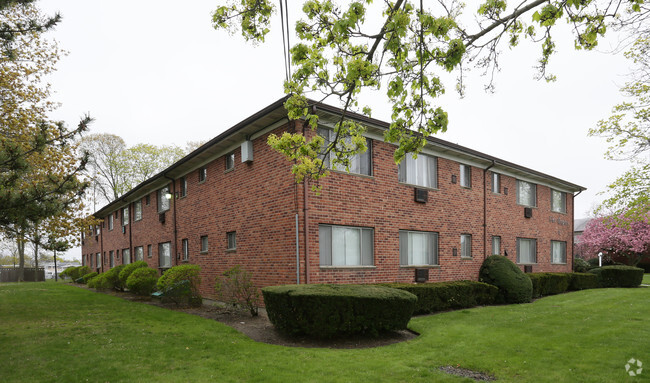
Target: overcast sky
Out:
[157,72]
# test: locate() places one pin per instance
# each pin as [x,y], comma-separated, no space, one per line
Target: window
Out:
[346,246]
[203,174]
[125,216]
[466,246]
[97,229]
[165,255]
[117,255]
[360,163]
[98,260]
[465,176]
[204,243]
[496,245]
[526,250]
[526,193]
[137,210]
[111,258]
[496,183]
[149,251]
[418,248]
[558,252]
[110,222]
[183,187]
[186,249]
[126,256]
[163,199]
[147,200]
[139,253]
[232,240]
[230,161]
[558,201]
[422,171]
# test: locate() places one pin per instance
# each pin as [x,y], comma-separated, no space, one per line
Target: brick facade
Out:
[259,202]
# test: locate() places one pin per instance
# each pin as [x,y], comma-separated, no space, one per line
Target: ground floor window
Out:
[346,246]
[165,255]
[232,240]
[526,250]
[186,249]
[496,245]
[558,252]
[139,253]
[418,248]
[111,257]
[98,261]
[466,246]
[126,256]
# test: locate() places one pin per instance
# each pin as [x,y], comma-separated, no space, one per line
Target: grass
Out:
[53,332]
[646,279]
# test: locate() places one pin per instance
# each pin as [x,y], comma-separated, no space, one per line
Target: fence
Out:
[11,274]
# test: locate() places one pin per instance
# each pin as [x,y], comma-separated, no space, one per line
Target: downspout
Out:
[101,245]
[573,211]
[175,255]
[306,216]
[485,209]
[130,234]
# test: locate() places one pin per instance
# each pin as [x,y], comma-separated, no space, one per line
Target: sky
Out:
[157,72]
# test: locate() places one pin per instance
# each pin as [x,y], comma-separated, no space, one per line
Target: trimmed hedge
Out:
[142,281]
[583,281]
[580,265]
[514,286]
[76,272]
[618,276]
[549,283]
[170,283]
[441,296]
[89,276]
[326,311]
[128,269]
[111,279]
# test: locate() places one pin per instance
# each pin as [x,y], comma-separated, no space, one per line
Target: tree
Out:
[39,166]
[617,236]
[115,169]
[11,29]
[341,51]
[627,131]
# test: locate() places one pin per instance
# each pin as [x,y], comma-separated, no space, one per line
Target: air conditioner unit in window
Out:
[421,275]
[528,212]
[161,217]
[421,195]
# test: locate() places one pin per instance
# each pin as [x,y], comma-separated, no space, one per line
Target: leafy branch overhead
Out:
[342,50]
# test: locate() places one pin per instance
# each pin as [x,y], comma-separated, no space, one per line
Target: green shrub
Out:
[170,284]
[549,283]
[142,281]
[111,279]
[514,286]
[441,296]
[128,269]
[583,281]
[95,281]
[619,276]
[89,276]
[79,272]
[580,265]
[236,287]
[67,272]
[326,311]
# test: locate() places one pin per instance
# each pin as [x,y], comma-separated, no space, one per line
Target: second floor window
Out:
[163,199]
[421,171]
[203,174]
[125,216]
[360,163]
[558,201]
[137,210]
[526,193]
[496,183]
[465,176]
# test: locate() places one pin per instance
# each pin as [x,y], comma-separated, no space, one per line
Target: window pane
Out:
[526,193]
[420,171]
[164,253]
[325,245]
[466,246]
[139,256]
[126,256]
[496,183]
[558,201]
[558,252]
[526,250]
[163,202]
[496,245]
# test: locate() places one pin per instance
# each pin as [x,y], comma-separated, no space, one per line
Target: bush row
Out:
[556,283]
[326,311]
[618,276]
[441,296]
[75,272]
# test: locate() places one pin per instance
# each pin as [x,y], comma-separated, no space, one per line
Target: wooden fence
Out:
[9,274]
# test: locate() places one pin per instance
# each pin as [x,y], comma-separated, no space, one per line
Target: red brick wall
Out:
[259,201]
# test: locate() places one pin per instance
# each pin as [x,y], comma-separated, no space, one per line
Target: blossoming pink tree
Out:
[617,236]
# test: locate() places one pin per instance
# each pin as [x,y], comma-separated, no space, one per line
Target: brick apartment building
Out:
[234,201]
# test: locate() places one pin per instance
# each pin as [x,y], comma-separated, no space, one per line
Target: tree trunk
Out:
[20,242]
[36,257]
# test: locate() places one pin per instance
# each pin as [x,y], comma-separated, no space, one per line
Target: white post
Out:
[600,259]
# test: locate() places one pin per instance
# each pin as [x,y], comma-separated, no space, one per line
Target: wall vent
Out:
[528,212]
[421,275]
[528,268]
[421,195]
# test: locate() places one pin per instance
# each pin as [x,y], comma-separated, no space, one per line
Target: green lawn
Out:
[646,279]
[55,332]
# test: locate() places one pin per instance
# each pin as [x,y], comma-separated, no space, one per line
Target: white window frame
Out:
[138,253]
[360,163]
[98,260]
[562,196]
[412,255]
[466,246]
[230,161]
[496,183]
[520,185]
[531,244]
[183,186]
[334,239]
[137,211]
[126,256]
[205,244]
[125,216]
[422,171]
[203,174]
[165,255]
[110,221]
[231,238]
[465,176]
[558,246]
[163,203]
[496,245]
[185,246]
